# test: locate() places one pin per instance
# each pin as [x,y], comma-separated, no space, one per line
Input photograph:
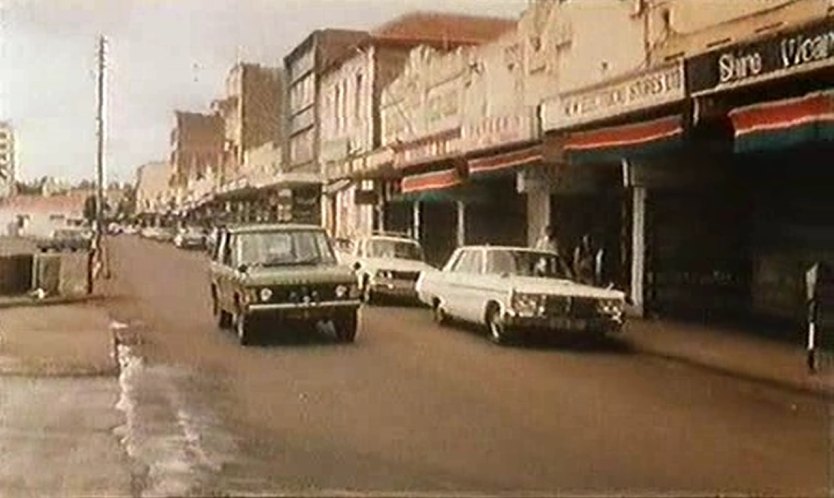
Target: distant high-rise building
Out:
[7,160]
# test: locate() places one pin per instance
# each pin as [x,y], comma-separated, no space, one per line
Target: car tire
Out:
[439,314]
[496,328]
[245,329]
[346,326]
[224,318]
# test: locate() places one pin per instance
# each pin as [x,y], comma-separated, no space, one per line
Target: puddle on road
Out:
[177,445]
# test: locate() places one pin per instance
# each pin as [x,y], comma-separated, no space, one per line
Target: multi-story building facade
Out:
[252,113]
[197,153]
[153,191]
[349,110]
[304,66]
[8,168]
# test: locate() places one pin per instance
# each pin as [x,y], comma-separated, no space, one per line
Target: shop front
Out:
[771,100]
[497,148]
[596,142]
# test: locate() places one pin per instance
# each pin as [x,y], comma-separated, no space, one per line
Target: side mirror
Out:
[357,266]
[243,268]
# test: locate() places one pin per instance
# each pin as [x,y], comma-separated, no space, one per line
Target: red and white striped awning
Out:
[784,123]
[507,160]
[433,180]
[617,142]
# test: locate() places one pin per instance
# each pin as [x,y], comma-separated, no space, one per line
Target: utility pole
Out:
[98,260]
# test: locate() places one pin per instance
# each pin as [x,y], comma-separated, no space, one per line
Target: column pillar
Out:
[461,229]
[417,222]
[638,249]
[538,213]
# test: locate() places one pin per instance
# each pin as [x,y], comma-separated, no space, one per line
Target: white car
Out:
[513,290]
[387,265]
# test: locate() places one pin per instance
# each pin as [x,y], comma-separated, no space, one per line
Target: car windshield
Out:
[68,234]
[290,247]
[527,264]
[401,249]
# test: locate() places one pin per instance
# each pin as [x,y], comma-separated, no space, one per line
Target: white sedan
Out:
[513,289]
[387,265]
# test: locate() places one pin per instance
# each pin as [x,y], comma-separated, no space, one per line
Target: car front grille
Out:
[297,294]
[410,276]
[574,307]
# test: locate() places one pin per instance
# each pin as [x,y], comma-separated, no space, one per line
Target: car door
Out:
[458,281]
[225,272]
[471,291]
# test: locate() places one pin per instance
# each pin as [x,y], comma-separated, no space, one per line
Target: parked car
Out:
[387,265]
[513,290]
[66,239]
[272,275]
[343,248]
[190,238]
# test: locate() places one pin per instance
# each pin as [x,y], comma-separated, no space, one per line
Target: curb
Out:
[27,302]
[804,388]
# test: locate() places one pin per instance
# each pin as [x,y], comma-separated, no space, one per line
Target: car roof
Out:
[508,248]
[272,227]
[391,238]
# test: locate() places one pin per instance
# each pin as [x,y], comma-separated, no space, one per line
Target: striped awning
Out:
[784,123]
[447,177]
[614,143]
[505,161]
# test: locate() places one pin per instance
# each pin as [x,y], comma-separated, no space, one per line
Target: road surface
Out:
[412,408]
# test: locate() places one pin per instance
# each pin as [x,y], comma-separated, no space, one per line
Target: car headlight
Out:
[342,291]
[610,306]
[528,304]
[266,294]
[384,275]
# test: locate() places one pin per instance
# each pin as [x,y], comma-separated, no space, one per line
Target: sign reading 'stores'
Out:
[648,89]
[800,50]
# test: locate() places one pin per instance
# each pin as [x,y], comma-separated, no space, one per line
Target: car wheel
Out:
[224,318]
[496,328]
[244,327]
[346,325]
[439,314]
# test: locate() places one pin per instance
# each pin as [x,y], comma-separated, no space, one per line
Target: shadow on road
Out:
[296,335]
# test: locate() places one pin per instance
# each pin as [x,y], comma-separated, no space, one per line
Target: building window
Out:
[336,107]
[357,101]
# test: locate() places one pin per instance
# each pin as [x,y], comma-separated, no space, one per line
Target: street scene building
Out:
[530,248]
[8,175]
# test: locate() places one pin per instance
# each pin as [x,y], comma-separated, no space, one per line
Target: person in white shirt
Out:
[547,241]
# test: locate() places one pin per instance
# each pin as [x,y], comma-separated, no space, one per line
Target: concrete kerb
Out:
[813,386]
[27,301]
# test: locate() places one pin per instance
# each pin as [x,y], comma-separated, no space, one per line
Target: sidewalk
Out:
[58,395]
[56,340]
[733,352]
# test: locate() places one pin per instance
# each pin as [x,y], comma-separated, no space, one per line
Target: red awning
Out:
[784,123]
[617,142]
[433,180]
[506,160]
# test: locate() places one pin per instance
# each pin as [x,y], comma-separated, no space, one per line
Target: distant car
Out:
[190,238]
[66,239]
[271,275]
[512,290]
[387,265]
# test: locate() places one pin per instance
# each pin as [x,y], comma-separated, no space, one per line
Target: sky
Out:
[162,55]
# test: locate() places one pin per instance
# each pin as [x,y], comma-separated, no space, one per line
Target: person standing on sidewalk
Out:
[548,241]
[583,261]
[818,281]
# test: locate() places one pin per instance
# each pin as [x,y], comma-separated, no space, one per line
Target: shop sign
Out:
[664,85]
[500,130]
[789,53]
[436,146]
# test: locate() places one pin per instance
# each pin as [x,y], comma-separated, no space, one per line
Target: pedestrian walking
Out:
[548,241]
[584,267]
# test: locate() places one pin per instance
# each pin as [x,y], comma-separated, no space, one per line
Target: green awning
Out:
[785,123]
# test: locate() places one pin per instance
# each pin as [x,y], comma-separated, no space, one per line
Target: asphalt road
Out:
[416,408]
